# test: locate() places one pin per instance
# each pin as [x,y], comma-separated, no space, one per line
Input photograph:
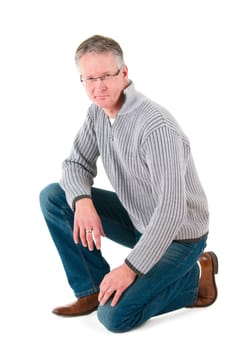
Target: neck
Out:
[112,112]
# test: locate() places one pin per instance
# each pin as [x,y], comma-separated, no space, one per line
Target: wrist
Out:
[83,200]
[132,268]
[129,270]
[77,199]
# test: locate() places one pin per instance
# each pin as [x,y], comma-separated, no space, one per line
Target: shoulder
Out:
[152,117]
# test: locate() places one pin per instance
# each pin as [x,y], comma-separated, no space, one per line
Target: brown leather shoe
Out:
[207,293]
[82,306]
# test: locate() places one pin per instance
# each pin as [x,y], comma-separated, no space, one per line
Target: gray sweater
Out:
[148,160]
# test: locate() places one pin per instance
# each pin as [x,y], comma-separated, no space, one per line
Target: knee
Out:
[111,318]
[47,195]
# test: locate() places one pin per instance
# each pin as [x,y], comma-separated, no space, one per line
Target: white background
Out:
[179,54]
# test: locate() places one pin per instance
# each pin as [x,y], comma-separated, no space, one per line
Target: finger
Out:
[75,233]
[101,290]
[116,298]
[97,239]
[82,233]
[89,239]
[106,295]
[102,233]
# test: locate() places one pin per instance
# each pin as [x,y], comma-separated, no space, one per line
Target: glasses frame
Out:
[103,77]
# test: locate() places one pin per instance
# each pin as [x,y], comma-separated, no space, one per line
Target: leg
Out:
[84,269]
[170,285]
[115,219]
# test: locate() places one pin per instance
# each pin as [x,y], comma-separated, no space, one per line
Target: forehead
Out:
[93,63]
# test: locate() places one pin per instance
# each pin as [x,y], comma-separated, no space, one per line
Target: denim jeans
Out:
[171,284]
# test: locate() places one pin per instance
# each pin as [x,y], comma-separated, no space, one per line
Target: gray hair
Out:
[100,44]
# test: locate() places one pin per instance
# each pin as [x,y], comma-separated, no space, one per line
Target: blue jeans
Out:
[171,284]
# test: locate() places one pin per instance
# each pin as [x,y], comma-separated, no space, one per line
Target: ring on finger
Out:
[89,230]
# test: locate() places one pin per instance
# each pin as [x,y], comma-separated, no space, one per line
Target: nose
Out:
[99,82]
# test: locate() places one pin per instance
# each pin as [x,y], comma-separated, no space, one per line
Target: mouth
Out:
[101,96]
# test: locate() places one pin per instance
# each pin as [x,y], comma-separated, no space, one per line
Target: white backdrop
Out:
[178,54]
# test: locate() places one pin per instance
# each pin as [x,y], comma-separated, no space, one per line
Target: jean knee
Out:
[112,318]
[106,316]
[46,195]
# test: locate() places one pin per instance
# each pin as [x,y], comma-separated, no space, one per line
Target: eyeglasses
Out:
[104,77]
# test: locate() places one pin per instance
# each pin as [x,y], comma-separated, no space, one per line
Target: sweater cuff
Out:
[138,273]
[78,198]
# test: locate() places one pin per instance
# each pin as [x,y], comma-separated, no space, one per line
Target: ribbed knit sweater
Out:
[148,160]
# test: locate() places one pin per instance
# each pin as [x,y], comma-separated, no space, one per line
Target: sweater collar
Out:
[132,99]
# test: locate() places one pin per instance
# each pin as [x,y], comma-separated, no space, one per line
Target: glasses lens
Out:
[104,77]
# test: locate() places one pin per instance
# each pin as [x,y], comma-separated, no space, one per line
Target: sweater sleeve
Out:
[164,155]
[79,169]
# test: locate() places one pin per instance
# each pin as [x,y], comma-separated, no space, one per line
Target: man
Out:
[158,209]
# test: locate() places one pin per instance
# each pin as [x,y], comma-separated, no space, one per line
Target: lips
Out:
[102,96]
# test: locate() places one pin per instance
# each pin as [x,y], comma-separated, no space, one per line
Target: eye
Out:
[107,76]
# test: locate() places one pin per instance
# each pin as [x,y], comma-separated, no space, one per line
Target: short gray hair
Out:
[100,44]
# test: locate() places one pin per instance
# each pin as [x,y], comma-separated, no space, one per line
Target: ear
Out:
[125,72]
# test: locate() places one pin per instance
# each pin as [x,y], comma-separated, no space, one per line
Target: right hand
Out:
[86,218]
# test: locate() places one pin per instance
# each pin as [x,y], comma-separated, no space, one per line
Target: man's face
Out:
[105,93]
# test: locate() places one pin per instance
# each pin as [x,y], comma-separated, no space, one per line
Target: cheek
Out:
[117,93]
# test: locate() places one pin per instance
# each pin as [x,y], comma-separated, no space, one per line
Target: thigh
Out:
[178,260]
[53,199]
[151,294]
[115,219]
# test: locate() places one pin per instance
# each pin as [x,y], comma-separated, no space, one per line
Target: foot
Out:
[207,293]
[82,306]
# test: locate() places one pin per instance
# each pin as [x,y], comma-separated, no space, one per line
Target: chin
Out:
[103,104]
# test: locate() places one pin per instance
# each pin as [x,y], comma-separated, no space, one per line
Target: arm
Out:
[79,169]
[164,155]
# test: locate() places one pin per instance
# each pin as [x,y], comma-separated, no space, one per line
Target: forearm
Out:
[155,240]
[164,158]
[79,169]
[76,183]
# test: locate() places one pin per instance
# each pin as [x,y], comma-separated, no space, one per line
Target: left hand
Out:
[116,282]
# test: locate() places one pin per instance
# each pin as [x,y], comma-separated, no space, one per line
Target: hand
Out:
[116,282]
[87,224]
